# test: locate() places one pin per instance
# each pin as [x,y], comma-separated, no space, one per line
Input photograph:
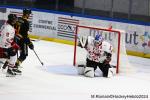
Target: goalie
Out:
[99,53]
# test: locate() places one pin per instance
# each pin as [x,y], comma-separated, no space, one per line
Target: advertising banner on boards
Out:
[61,26]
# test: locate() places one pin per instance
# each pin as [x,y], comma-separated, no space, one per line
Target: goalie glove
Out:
[31,46]
[82,42]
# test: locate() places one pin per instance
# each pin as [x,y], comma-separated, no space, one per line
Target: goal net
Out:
[114,36]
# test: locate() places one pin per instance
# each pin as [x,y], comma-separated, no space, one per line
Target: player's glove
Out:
[27,40]
[11,51]
[15,46]
[31,46]
[29,43]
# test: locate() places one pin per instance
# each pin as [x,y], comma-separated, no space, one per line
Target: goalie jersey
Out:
[97,53]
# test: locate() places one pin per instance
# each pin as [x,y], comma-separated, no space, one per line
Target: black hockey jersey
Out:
[22,27]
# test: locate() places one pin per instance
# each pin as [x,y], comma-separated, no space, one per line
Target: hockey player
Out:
[99,54]
[8,47]
[22,28]
[24,42]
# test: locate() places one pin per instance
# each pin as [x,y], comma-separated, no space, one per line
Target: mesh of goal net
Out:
[115,37]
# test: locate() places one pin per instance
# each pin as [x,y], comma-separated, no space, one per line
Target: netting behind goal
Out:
[114,37]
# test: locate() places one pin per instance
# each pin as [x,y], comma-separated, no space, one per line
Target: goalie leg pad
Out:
[89,72]
[111,72]
[108,70]
[80,69]
[104,68]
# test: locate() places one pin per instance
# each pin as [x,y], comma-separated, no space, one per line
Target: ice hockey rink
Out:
[58,79]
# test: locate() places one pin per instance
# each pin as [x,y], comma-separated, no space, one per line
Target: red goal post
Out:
[98,29]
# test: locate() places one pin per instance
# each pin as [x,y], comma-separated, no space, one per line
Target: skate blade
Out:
[18,73]
[8,75]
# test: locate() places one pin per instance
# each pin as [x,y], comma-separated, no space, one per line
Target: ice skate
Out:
[10,73]
[17,71]
[18,63]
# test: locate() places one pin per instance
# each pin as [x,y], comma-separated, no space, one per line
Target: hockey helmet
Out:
[26,11]
[98,39]
[12,17]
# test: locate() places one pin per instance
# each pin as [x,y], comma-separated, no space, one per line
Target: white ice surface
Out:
[58,79]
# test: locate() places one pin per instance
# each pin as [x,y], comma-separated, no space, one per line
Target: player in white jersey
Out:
[99,54]
[8,47]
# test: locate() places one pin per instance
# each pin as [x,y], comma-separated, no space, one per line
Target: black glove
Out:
[108,57]
[27,41]
[31,46]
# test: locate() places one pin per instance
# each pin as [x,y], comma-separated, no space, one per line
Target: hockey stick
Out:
[38,39]
[38,58]
[35,40]
[1,62]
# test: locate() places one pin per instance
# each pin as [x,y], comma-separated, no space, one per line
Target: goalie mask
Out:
[98,39]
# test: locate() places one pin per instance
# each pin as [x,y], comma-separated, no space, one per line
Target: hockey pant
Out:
[10,54]
[103,67]
[23,52]
[3,54]
[7,52]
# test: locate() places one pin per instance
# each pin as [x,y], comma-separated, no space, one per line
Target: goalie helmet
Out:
[27,11]
[98,39]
